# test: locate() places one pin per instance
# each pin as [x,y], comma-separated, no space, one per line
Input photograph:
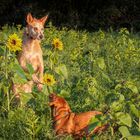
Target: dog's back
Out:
[71,123]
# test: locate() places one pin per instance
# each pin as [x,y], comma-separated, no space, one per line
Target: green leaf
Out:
[106,77]
[18,80]
[118,86]
[18,69]
[94,122]
[133,138]
[124,118]
[116,106]
[5,36]
[64,93]
[100,63]
[38,129]
[30,68]
[44,90]
[134,110]
[132,87]
[11,114]
[93,81]
[29,131]
[62,70]
[92,126]
[124,131]
[25,97]
[121,97]
[84,138]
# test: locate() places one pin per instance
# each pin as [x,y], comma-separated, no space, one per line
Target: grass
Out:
[95,71]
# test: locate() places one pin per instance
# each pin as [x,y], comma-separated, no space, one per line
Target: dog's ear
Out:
[29,18]
[43,19]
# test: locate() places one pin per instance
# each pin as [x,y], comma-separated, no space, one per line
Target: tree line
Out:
[79,14]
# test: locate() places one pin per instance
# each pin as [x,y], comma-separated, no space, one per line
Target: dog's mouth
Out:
[40,37]
[36,36]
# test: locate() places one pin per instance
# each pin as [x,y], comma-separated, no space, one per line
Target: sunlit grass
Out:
[95,71]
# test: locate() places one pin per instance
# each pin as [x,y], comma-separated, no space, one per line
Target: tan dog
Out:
[66,122]
[31,53]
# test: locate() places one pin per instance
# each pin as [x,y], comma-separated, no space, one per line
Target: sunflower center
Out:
[57,44]
[48,80]
[13,42]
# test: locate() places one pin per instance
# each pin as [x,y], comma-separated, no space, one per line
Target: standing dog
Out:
[67,122]
[32,54]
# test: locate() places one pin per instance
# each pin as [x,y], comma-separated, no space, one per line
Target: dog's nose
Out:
[41,36]
[52,96]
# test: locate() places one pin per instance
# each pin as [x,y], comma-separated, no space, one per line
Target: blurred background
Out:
[77,14]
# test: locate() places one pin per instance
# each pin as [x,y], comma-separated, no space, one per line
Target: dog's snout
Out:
[41,36]
[52,97]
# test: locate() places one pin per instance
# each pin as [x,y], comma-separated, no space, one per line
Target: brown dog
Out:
[32,54]
[67,122]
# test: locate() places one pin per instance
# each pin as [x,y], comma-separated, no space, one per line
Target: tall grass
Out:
[95,71]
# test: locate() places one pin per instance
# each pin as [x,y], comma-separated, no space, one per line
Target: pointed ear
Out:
[29,18]
[43,20]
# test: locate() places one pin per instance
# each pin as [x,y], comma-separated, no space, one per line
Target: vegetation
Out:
[94,71]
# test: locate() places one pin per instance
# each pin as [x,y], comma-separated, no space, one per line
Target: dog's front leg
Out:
[35,78]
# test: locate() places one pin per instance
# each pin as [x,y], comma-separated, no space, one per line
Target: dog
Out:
[32,54]
[67,122]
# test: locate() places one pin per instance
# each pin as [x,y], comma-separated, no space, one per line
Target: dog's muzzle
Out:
[41,37]
[52,97]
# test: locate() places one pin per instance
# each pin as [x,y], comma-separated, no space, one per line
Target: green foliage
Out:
[95,71]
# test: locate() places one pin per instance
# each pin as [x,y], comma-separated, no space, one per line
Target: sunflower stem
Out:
[6,76]
[48,89]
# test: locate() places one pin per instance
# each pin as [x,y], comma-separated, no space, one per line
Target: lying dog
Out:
[32,54]
[67,122]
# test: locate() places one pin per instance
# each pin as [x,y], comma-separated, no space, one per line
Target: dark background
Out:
[78,14]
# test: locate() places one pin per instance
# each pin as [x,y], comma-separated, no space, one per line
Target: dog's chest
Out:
[32,51]
[32,54]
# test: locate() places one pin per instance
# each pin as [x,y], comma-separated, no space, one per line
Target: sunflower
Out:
[48,79]
[57,44]
[14,43]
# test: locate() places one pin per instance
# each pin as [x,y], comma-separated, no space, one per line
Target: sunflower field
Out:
[91,70]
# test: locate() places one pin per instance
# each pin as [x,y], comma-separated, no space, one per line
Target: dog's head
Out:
[57,101]
[35,27]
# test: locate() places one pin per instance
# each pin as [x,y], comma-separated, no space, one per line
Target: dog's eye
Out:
[35,28]
[42,29]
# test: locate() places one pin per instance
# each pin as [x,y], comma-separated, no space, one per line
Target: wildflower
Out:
[124,31]
[57,44]
[14,43]
[101,34]
[48,79]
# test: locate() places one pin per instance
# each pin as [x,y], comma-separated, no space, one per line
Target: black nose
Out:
[41,36]
[52,96]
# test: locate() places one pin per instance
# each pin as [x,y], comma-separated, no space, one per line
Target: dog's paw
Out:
[35,79]
[39,86]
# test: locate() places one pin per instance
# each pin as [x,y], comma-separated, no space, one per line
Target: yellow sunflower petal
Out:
[48,79]
[14,43]
[57,44]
